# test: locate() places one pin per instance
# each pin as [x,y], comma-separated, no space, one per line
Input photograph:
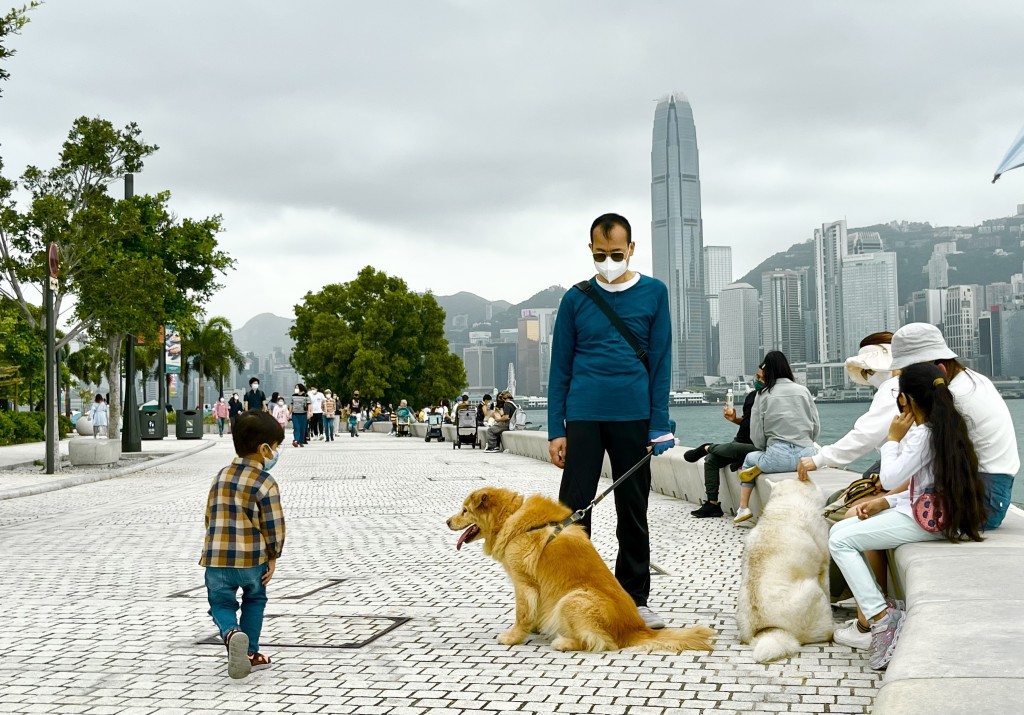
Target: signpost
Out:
[50,373]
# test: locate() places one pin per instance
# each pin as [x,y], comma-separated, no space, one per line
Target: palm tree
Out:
[210,351]
[147,357]
[88,364]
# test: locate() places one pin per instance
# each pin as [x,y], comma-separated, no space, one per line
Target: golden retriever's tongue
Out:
[469,533]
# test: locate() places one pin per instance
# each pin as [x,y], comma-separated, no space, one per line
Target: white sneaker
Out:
[851,636]
[742,515]
[652,619]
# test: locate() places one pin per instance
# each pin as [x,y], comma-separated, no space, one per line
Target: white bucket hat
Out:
[918,342]
[877,358]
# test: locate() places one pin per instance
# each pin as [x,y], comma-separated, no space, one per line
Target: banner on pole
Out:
[172,348]
[172,381]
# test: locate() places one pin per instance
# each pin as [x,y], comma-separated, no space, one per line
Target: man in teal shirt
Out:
[603,398]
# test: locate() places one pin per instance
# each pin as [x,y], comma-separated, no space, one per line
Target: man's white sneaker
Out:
[851,636]
[652,619]
[742,515]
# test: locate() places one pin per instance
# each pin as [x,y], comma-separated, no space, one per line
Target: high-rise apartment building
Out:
[717,275]
[938,265]
[479,363]
[830,248]
[927,306]
[783,301]
[528,369]
[738,331]
[870,300]
[864,242]
[677,236]
[960,322]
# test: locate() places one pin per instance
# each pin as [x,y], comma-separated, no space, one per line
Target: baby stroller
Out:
[434,428]
[403,422]
[465,428]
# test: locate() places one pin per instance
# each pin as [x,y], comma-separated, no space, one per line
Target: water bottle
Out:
[729,400]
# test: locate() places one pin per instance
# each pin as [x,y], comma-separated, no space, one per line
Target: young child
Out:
[281,412]
[98,417]
[928,451]
[244,538]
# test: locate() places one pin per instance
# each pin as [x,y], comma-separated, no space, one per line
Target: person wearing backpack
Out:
[611,358]
[504,410]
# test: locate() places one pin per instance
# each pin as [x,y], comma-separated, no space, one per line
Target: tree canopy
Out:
[374,335]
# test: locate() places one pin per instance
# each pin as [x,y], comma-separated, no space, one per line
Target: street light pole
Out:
[131,438]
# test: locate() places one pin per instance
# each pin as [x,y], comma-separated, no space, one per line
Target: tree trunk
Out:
[184,384]
[114,343]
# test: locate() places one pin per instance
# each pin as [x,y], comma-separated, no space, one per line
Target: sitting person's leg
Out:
[719,456]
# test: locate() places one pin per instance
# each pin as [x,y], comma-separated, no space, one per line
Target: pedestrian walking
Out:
[254,397]
[99,416]
[235,408]
[280,412]
[329,406]
[221,413]
[245,533]
[607,396]
[316,414]
[299,408]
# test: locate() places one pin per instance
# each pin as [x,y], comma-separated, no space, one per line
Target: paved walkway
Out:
[103,605]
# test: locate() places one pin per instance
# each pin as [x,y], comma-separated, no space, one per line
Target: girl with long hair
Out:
[927,462]
[783,426]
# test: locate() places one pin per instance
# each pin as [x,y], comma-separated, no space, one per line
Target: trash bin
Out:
[152,423]
[189,424]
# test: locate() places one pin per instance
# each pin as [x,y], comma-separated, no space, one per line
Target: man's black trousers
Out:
[626,444]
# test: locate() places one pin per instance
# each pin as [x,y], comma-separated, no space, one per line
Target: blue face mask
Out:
[268,464]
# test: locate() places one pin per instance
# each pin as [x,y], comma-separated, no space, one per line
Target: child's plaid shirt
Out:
[244,520]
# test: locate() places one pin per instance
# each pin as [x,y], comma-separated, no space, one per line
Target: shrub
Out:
[6,428]
[28,426]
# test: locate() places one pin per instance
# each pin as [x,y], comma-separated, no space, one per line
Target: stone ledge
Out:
[950,696]
[94,451]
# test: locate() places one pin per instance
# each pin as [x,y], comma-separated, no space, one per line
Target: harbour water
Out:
[695,425]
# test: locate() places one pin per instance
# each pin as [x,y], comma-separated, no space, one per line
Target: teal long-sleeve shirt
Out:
[595,375]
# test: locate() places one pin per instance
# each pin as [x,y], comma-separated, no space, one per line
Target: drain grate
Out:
[309,631]
[286,589]
[338,478]
[455,478]
[658,570]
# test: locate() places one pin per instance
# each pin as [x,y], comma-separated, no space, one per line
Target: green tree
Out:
[147,358]
[210,351]
[11,24]
[374,335]
[21,347]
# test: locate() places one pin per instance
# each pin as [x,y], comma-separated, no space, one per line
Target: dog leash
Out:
[580,513]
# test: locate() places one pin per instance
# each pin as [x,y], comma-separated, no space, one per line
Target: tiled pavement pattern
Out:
[100,615]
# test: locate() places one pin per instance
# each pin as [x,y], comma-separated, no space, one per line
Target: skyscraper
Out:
[870,302]
[783,297]
[738,333]
[677,236]
[717,275]
[830,247]
[961,322]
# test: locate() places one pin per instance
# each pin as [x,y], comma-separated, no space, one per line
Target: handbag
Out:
[588,290]
[929,512]
[858,490]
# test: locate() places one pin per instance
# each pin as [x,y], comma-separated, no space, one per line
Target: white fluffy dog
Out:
[784,598]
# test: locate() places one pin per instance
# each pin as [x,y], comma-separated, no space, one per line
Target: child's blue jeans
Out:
[222,585]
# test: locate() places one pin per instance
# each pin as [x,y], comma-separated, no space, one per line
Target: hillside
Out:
[503,314]
[990,252]
[264,332]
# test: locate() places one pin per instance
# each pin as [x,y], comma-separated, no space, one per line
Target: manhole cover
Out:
[287,589]
[309,631]
[455,478]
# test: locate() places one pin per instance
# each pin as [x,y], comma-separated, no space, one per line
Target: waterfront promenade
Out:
[104,610]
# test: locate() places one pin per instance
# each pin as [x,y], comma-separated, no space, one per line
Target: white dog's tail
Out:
[774,643]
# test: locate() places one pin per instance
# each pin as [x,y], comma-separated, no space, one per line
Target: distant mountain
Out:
[504,315]
[263,333]
[470,305]
[990,252]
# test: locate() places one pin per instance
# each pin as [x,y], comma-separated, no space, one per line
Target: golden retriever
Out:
[563,589]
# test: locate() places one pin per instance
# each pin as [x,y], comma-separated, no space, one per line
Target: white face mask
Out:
[296,390]
[611,270]
[281,402]
[222,399]
[255,386]
[876,379]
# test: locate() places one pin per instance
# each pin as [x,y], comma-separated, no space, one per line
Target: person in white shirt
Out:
[988,419]
[871,366]
[928,458]
[316,414]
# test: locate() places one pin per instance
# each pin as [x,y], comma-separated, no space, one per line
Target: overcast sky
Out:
[467,144]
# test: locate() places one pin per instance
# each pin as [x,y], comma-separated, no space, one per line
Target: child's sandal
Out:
[237,644]
[258,661]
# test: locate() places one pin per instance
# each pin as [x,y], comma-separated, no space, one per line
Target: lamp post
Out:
[131,437]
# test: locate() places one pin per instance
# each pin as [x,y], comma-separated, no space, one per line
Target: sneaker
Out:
[742,515]
[708,509]
[749,474]
[237,644]
[692,455]
[851,636]
[884,634]
[652,619]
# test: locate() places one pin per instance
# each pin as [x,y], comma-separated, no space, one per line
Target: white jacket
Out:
[868,433]
[989,424]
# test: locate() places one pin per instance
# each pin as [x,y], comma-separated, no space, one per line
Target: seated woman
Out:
[928,456]
[783,427]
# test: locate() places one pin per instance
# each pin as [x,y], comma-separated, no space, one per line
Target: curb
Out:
[89,479]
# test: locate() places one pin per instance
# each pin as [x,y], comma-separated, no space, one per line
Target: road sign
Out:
[53,259]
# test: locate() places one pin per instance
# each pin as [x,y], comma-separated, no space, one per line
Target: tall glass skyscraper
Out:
[677,236]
